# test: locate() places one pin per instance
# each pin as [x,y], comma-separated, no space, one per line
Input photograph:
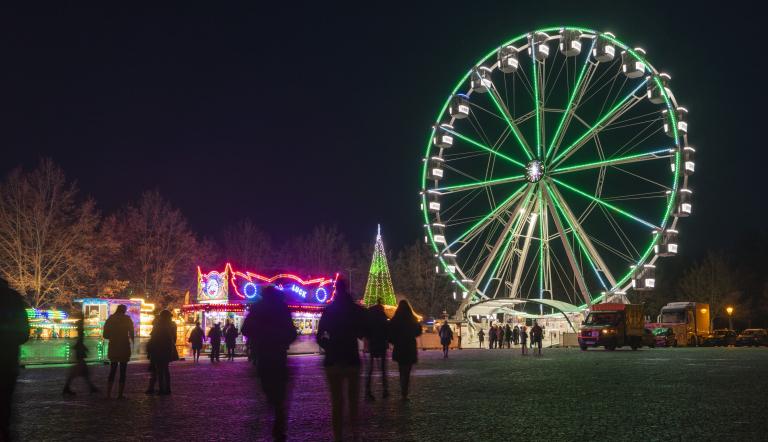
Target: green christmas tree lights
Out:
[379,285]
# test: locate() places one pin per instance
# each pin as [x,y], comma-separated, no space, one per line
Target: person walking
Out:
[269,330]
[446,336]
[214,335]
[523,340]
[507,336]
[118,329]
[492,337]
[14,331]
[196,338]
[481,337]
[516,335]
[80,369]
[403,330]
[377,347]
[537,334]
[163,350]
[499,336]
[230,339]
[341,325]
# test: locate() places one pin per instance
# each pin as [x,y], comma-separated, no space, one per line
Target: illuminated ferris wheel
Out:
[557,169]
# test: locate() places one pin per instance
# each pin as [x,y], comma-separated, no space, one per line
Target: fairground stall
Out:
[225,295]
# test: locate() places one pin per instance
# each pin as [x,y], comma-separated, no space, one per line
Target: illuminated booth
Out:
[226,294]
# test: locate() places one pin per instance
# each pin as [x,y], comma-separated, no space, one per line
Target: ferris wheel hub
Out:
[534,170]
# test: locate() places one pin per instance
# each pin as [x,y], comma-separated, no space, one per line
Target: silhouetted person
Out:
[163,344]
[230,339]
[499,336]
[516,335]
[537,334]
[14,331]
[523,339]
[446,336]
[403,330]
[492,336]
[377,347]
[481,337]
[119,330]
[341,325]
[80,369]
[196,338]
[507,336]
[152,369]
[214,334]
[270,331]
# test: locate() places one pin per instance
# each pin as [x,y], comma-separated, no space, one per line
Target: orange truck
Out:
[612,325]
[689,321]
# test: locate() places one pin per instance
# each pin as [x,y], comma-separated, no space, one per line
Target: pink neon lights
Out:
[255,277]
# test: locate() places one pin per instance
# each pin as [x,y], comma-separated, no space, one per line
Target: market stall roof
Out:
[507,305]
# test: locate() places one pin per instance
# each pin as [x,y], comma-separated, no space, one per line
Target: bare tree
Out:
[712,280]
[414,277]
[48,235]
[247,246]
[158,249]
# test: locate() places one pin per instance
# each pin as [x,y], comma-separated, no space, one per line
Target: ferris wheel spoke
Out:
[523,253]
[470,186]
[501,207]
[499,243]
[648,156]
[594,258]
[484,147]
[577,273]
[605,204]
[578,91]
[496,98]
[626,103]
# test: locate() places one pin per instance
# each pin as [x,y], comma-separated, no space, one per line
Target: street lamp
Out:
[729,310]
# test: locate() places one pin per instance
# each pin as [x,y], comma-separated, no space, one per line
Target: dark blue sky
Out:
[318,114]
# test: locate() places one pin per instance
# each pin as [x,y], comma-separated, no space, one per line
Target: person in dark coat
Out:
[118,329]
[196,338]
[492,336]
[340,327]
[537,334]
[230,339]
[270,331]
[507,336]
[14,331]
[377,347]
[403,330]
[80,369]
[523,340]
[163,349]
[214,335]
[446,336]
[516,335]
[481,337]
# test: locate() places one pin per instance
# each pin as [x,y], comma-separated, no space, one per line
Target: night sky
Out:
[319,114]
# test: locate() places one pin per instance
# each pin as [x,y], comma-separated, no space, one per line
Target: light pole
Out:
[729,310]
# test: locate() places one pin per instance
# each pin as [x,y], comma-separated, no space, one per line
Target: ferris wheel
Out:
[558,169]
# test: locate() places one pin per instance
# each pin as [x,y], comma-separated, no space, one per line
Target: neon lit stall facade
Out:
[226,294]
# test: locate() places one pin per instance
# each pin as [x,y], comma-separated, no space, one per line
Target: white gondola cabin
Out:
[443,138]
[604,49]
[433,201]
[654,93]
[666,243]
[480,80]
[570,45]
[631,66]
[644,277]
[537,46]
[436,168]
[459,107]
[508,61]
[681,115]
[684,203]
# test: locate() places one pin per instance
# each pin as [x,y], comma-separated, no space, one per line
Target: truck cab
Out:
[612,325]
[688,320]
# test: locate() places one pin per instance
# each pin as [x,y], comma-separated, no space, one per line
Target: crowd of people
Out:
[505,336]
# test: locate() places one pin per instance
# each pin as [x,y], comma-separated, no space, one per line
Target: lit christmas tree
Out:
[379,284]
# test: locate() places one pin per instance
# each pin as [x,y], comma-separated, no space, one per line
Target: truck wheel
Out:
[583,347]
